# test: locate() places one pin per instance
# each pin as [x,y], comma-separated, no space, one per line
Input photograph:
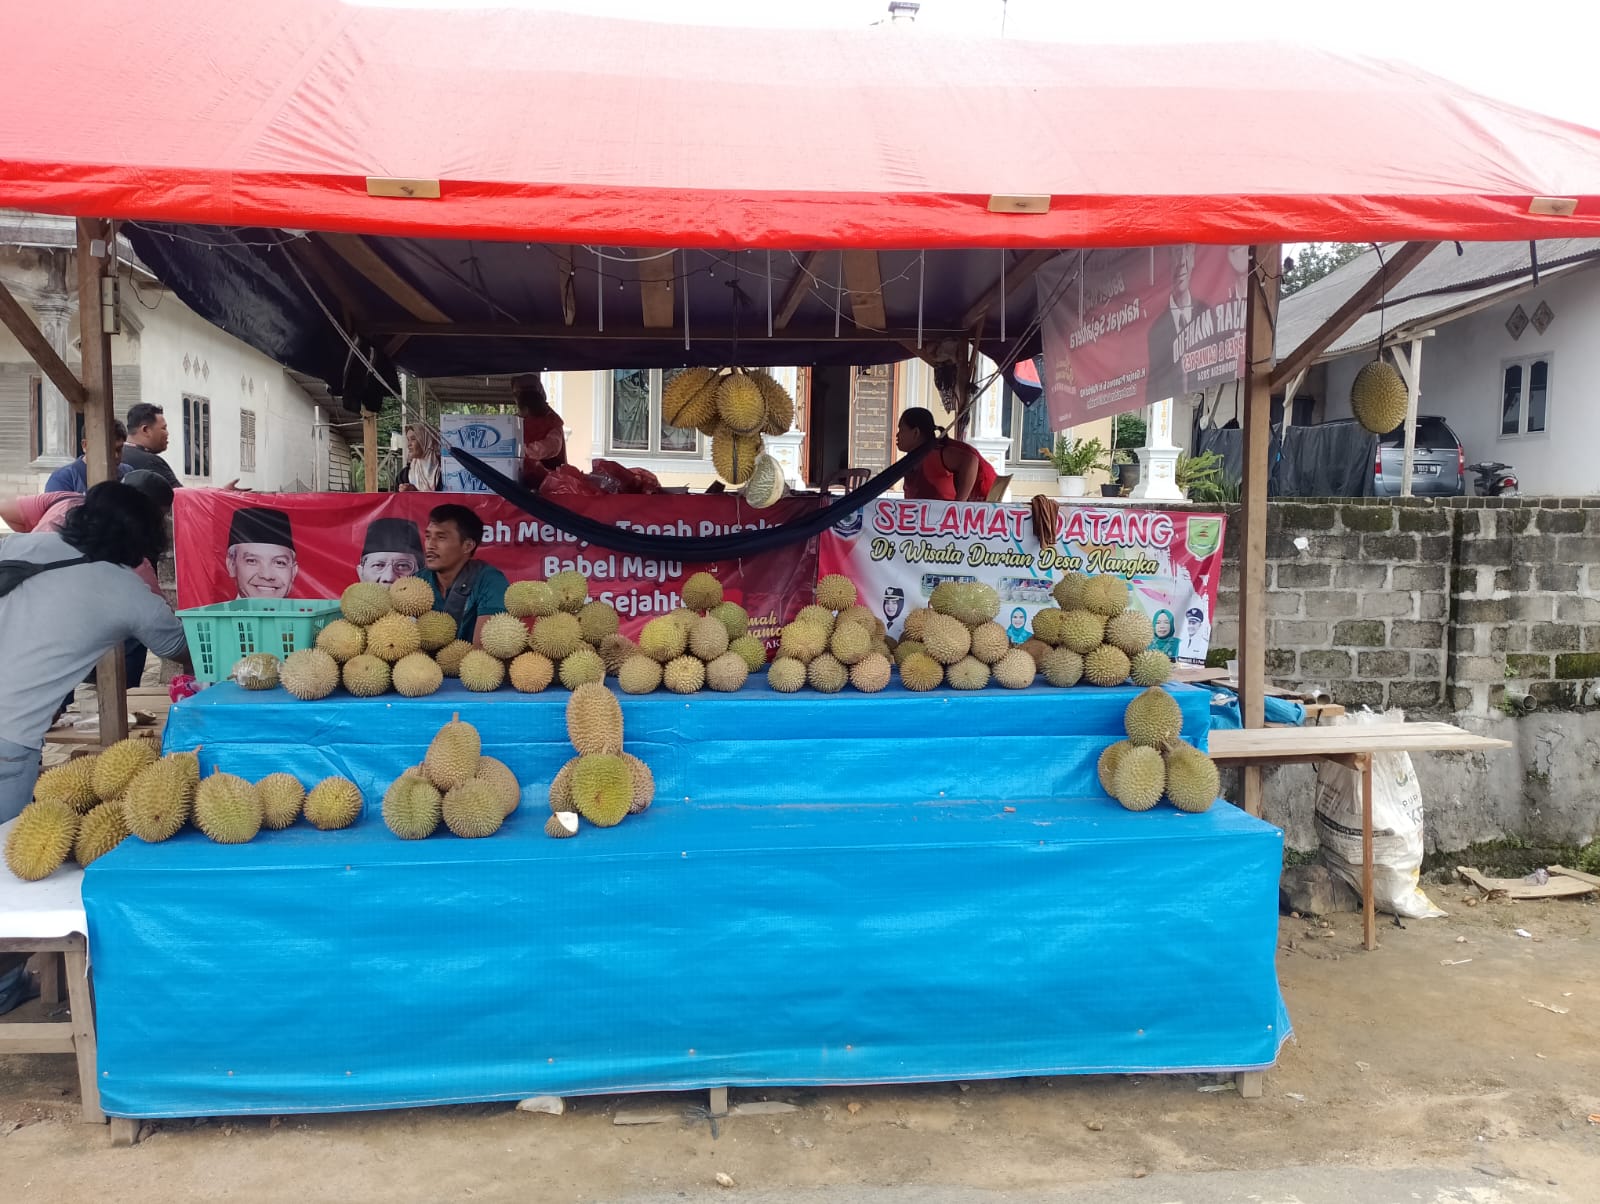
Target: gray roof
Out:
[1444,286]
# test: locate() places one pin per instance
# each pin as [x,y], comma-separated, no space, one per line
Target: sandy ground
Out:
[1399,1061]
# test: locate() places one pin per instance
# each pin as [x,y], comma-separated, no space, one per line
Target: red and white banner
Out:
[313,545]
[897,551]
[1125,328]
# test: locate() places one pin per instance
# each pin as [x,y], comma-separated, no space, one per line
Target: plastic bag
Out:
[569,480]
[615,478]
[1396,827]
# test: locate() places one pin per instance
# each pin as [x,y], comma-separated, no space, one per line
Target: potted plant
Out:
[1200,477]
[1074,459]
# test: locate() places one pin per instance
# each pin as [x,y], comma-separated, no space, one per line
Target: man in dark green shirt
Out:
[466,589]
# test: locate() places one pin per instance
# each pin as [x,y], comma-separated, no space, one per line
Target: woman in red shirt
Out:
[951,472]
[544,439]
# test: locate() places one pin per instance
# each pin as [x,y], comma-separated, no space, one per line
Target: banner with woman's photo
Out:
[897,551]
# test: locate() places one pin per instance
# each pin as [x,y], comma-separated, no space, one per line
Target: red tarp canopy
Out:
[550,127]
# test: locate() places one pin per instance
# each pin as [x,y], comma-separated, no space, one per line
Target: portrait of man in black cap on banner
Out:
[391,550]
[261,557]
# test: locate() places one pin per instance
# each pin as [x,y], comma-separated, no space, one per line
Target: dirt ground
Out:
[1399,1060]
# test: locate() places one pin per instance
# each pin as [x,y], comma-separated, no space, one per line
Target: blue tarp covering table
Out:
[827,890]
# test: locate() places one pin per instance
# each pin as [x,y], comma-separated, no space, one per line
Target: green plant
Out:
[1202,472]
[1129,430]
[1076,457]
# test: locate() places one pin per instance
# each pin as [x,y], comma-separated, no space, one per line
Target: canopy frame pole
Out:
[369,449]
[1410,366]
[1266,261]
[99,419]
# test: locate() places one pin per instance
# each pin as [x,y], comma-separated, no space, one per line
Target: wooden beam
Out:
[569,286]
[656,290]
[1396,268]
[310,255]
[863,277]
[1410,366]
[21,324]
[1016,276]
[359,254]
[796,292]
[536,330]
[369,449]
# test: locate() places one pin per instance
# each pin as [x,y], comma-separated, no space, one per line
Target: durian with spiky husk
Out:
[504,783]
[663,639]
[1015,670]
[453,755]
[750,650]
[435,629]
[1107,765]
[1140,779]
[481,673]
[416,676]
[530,673]
[309,674]
[644,785]
[583,667]
[836,592]
[602,789]
[826,675]
[702,591]
[786,674]
[1154,720]
[227,809]
[257,671]
[871,673]
[561,825]
[1378,397]
[733,617]
[594,720]
[689,398]
[598,621]
[972,602]
[1193,783]
[561,788]
[639,674]
[504,636]
[158,800]
[365,602]
[571,589]
[684,675]
[100,831]
[451,656]
[849,643]
[1150,668]
[946,639]
[990,643]
[915,626]
[864,616]
[740,405]
[40,840]
[803,642]
[818,616]
[1105,666]
[708,639]
[734,455]
[188,765]
[615,650]
[116,766]
[1062,667]
[531,599]
[921,672]
[685,618]
[1069,591]
[1130,630]
[412,806]
[1048,626]
[905,648]
[726,673]
[71,783]
[1082,631]
[333,803]
[282,796]
[778,404]
[342,639]
[1106,595]
[968,673]
[411,596]
[1038,649]
[366,676]
[473,809]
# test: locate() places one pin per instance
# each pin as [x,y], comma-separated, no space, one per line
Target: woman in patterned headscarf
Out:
[421,473]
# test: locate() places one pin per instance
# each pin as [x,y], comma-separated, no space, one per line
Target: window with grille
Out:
[247,440]
[196,436]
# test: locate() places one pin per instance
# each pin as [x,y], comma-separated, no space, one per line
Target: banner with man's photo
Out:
[1126,328]
[313,545]
[897,551]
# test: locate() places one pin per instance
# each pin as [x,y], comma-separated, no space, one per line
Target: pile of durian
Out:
[735,406]
[832,643]
[1093,635]
[1154,763]
[471,794]
[955,640]
[90,805]
[602,784]
[704,644]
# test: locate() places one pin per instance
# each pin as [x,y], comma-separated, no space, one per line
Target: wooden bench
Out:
[1353,746]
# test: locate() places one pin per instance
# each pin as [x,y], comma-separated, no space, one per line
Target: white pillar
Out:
[1158,458]
[987,430]
[57,442]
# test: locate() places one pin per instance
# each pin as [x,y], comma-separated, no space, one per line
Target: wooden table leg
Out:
[1369,911]
[49,977]
[83,1038]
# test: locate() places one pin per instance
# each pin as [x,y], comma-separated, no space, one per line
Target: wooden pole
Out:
[99,417]
[1266,262]
[369,449]
[1410,366]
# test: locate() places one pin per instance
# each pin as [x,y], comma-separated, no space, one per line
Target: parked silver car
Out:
[1438,468]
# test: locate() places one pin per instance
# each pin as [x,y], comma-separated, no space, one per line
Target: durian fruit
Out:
[689,398]
[871,673]
[1154,719]
[71,783]
[1015,670]
[1105,666]
[702,591]
[281,796]
[708,638]
[615,651]
[1048,626]
[342,639]
[435,629]
[971,602]
[734,455]
[850,643]
[473,809]
[786,674]
[499,776]
[158,801]
[412,806]
[258,671]
[40,840]
[750,650]
[1083,631]
[366,676]
[480,672]
[826,675]
[639,674]
[684,675]
[990,642]
[309,674]
[1193,783]
[100,831]
[1069,591]
[365,602]
[727,673]
[968,673]
[602,789]
[598,621]
[836,592]
[1107,766]
[1105,595]
[227,809]
[663,638]
[188,765]
[583,666]
[557,636]
[906,648]
[1150,668]
[740,405]
[644,785]
[333,803]
[864,616]
[530,673]
[453,755]
[1038,649]
[1140,779]
[1378,397]
[451,656]
[915,625]
[562,824]
[779,405]
[818,616]
[531,599]
[594,720]
[116,766]
[1062,667]
[732,616]
[416,676]
[920,672]
[1130,630]
[571,589]
[411,596]
[504,636]
[947,640]
[803,642]
[561,788]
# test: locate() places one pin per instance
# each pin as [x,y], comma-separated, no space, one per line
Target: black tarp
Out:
[1307,461]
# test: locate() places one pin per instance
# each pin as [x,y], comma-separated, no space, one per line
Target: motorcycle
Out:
[1495,480]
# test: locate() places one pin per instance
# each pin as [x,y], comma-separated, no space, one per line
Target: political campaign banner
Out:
[1125,328]
[243,545]
[897,551]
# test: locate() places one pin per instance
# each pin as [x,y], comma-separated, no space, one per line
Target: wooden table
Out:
[1353,746]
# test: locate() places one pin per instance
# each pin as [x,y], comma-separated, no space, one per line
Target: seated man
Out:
[74,477]
[951,472]
[466,589]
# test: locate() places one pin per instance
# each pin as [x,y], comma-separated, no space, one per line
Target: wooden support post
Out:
[83,1038]
[1250,1083]
[49,964]
[719,1101]
[124,1132]
[1369,910]
[1266,263]
[369,449]
[1410,366]
[22,327]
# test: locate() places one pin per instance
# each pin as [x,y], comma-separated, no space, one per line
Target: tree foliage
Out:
[1314,260]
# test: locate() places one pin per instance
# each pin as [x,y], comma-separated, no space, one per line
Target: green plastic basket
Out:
[220,634]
